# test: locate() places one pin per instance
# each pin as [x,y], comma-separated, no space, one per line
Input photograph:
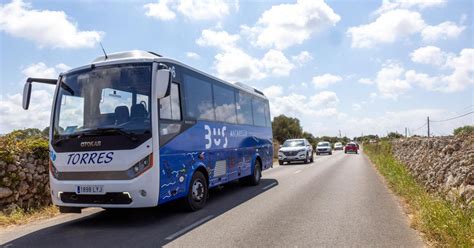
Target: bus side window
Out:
[267,115]
[258,107]
[170,107]
[244,108]
[170,115]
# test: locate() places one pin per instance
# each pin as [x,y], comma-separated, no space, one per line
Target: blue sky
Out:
[355,66]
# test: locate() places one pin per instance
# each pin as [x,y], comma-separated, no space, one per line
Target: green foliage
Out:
[394,135]
[463,130]
[444,223]
[45,132]
[28,140]
[367,138]
[286,128]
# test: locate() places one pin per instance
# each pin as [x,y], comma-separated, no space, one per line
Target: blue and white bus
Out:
[135,129]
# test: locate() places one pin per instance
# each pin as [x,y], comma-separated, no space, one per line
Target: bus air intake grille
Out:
[108,198]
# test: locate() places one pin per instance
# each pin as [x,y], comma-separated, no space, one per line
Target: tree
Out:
[310,137]
[25,133]
[45,132]
[464,130]
[394,135]
[286,128]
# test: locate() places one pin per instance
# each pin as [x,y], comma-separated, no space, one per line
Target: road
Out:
[337,200]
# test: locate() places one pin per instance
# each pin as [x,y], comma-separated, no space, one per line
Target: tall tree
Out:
[286,128]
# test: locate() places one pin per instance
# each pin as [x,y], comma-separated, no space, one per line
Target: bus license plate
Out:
[90,190]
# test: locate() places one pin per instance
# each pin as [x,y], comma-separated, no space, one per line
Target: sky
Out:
[358,67]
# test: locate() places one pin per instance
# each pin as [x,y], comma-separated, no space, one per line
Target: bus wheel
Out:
[197,192]
[253,179]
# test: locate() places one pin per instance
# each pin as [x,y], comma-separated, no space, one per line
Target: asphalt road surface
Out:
[337,201]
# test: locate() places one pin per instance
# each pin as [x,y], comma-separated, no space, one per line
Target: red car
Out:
[351,147]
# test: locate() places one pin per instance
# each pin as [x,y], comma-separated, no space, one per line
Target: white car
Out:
[338,146]
[324,147]
[295,150]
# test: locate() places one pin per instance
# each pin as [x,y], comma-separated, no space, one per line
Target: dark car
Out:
[351,147]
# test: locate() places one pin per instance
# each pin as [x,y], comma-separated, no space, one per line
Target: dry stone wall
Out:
[24,182]
[443,164]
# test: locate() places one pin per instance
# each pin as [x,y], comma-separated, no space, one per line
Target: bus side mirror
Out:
[26,95]
[163,83]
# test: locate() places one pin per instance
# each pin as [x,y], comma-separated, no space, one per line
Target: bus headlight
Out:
[141,166]
[53,170]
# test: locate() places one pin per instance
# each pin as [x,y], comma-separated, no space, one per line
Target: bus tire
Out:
[254,178]
[197,192]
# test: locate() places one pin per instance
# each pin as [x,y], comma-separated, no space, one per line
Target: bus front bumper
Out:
[139,192]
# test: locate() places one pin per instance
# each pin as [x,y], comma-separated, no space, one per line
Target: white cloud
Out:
[236,65]
[44,27]
[206,9]
[302,58]
[13,115]
[387,28]
[388,5]
[356,107]
[460,78]
[160,10]
[463,71]
[429,55]
[442,31]
[196,10]
[286,25]
[273,91]
[193,55]
[323,104]
[324,99]
[276,63]
[398,20]
[233,63]
[41,70]
[389,81]
[365,81]
[218,39]
[393,80]
[323,81]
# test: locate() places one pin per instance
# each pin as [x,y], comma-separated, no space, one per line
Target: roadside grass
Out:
[443,223]
[19,216]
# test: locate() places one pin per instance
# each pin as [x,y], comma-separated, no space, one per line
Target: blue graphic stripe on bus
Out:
[203,145]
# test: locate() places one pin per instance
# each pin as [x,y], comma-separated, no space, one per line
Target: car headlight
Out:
[302,150]
[141,166]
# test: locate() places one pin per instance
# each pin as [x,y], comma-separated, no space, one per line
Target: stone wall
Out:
[443,164]
[24,182]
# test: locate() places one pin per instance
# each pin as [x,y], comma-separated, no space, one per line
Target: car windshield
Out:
[103,99]
[323,144]
[293,143]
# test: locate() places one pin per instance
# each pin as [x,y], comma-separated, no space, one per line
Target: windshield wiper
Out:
[96,132]
[67,137]
[100,130]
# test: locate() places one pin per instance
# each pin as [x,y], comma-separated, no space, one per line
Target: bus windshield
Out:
[104,99]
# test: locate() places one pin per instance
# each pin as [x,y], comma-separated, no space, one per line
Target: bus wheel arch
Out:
[254,179]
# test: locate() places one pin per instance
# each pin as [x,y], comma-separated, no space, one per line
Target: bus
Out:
[136,129]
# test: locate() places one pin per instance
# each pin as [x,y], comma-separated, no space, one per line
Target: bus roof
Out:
[144,56]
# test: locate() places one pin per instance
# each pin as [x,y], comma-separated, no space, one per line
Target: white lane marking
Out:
[186,229]
[298,171]
[269,186]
